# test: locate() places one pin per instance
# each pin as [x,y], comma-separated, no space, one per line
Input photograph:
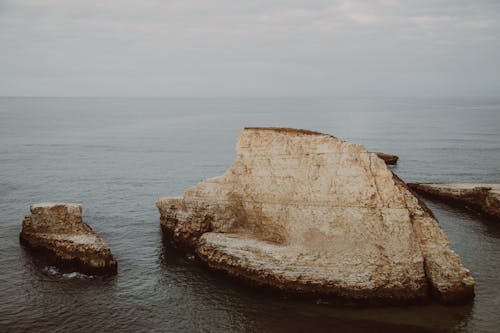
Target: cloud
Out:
[230,48]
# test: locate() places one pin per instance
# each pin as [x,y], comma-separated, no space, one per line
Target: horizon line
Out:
[265,97]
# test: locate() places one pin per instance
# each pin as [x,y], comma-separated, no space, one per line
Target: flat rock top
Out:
[57,209]
[49,205]
[286,130]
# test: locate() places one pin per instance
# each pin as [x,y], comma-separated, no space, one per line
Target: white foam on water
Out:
[54,271]
[76,275]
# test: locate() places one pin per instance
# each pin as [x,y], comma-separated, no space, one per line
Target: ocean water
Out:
[118,155]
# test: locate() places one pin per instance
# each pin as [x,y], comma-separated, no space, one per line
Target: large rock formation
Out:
[484,198]
[57,231]
[305,212]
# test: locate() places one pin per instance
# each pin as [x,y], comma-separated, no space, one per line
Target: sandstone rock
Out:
[304,212]
[388,158]
[57,231]
[484,198]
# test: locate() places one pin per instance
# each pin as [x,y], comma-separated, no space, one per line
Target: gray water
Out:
[118,155]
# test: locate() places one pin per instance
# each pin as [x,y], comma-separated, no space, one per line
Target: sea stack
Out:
[57,231]
[307,213]
[483,198]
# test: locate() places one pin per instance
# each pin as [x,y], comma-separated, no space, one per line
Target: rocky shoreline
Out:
[482,198]
[300,212]
[304,212]
[57,232]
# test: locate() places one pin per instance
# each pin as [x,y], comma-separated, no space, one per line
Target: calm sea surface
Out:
[118,155]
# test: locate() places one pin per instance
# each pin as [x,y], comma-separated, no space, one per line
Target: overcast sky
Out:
[250,48]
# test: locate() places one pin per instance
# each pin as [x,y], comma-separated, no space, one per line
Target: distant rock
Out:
[304,212]
[483,198]
[57,231]
[388,158]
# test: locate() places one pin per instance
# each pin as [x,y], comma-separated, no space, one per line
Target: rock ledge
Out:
[388,158]
[483,198]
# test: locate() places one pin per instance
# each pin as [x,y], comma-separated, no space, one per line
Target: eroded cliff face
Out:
[57,231]
[305,212]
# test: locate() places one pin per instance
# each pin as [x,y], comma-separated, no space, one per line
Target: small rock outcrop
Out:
[304,212]
[388,158]
[483,198]
[57,231]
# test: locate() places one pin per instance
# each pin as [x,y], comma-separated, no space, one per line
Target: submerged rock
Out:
[388,158]
[305,212]
[57,231]
[484,198]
